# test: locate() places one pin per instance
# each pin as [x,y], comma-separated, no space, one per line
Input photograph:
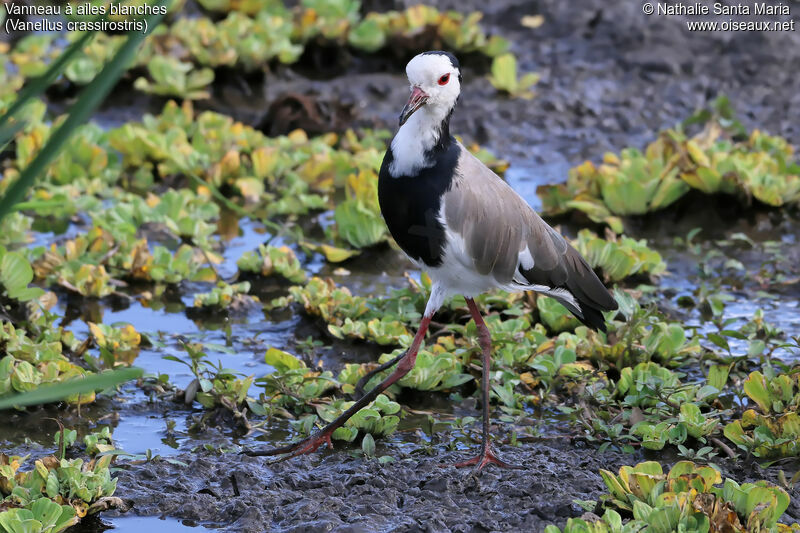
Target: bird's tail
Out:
[590,297]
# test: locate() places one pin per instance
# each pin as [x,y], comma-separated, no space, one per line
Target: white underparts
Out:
[457,275]
[435,300]
[413,140]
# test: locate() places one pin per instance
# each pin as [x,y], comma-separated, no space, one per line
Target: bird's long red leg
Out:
[486,455]
[323,436]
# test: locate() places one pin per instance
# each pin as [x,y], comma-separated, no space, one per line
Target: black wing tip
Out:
[589,316]
[592,318]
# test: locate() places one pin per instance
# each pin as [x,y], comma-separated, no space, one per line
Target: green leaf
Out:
[358,225]
[719,341]
[718,376]
[755,386]
[282,361]
[15,271]
[368,445]
[504,72]
[60,391]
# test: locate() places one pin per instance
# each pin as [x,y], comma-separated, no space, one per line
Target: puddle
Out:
[140,524]
[139,432]
[526,176]
[249,235]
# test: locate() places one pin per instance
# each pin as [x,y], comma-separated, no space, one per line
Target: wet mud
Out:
[338,492]
[335,491]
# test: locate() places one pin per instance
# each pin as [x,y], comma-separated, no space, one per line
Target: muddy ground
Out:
[611,77]
[341,493]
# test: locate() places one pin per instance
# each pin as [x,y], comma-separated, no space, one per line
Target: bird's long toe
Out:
[485,458]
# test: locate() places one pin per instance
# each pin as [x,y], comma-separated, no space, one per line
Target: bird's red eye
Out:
[444,79]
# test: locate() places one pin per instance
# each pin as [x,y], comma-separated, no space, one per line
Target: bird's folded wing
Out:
[505,238]
[499,230]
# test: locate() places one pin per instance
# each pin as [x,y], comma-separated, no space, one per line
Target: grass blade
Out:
[7,133]
[91,97]
[59,391]
[38,85]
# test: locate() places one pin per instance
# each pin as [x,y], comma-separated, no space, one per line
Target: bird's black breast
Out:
[411,204]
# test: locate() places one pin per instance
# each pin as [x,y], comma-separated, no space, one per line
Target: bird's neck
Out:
[417,143]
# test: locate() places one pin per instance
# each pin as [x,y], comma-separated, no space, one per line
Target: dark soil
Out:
[337,492]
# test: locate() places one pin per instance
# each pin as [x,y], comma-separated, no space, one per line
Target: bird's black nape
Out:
[448,55]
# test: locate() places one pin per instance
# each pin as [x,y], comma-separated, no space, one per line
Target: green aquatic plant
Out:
[172,77]
[436,368]
[621,257]
[292,384]
[380,418]
[95,443]
[226,296]
[268,260]
[687,498]
[119,346]
[30,362]
[358,218]
[16,275]
[55,494]
[94,263]
[86,155]
[555,316]
[214,385]
[99,441]
[43,516]
[14,230]
[691,422]
[774,429]
[382,320]
[504,77]
[635,182]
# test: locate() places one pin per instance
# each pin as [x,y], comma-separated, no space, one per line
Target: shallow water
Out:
[141,524]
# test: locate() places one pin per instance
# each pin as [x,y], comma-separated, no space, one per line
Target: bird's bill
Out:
[415,101]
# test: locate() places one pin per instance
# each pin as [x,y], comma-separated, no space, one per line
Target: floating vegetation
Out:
[619,258]
[714,161]
[56,493]
[269,260]
[214,386]
[226,296]
[504,77]
[31,361]
[774,429]
[687,498]
[180,57]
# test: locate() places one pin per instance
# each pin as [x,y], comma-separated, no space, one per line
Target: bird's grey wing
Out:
[499,229]
[506,238]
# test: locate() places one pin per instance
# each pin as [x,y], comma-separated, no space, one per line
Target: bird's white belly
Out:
[455,279]
[457,274]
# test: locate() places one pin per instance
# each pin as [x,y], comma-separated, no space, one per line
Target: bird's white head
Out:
[435,79]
